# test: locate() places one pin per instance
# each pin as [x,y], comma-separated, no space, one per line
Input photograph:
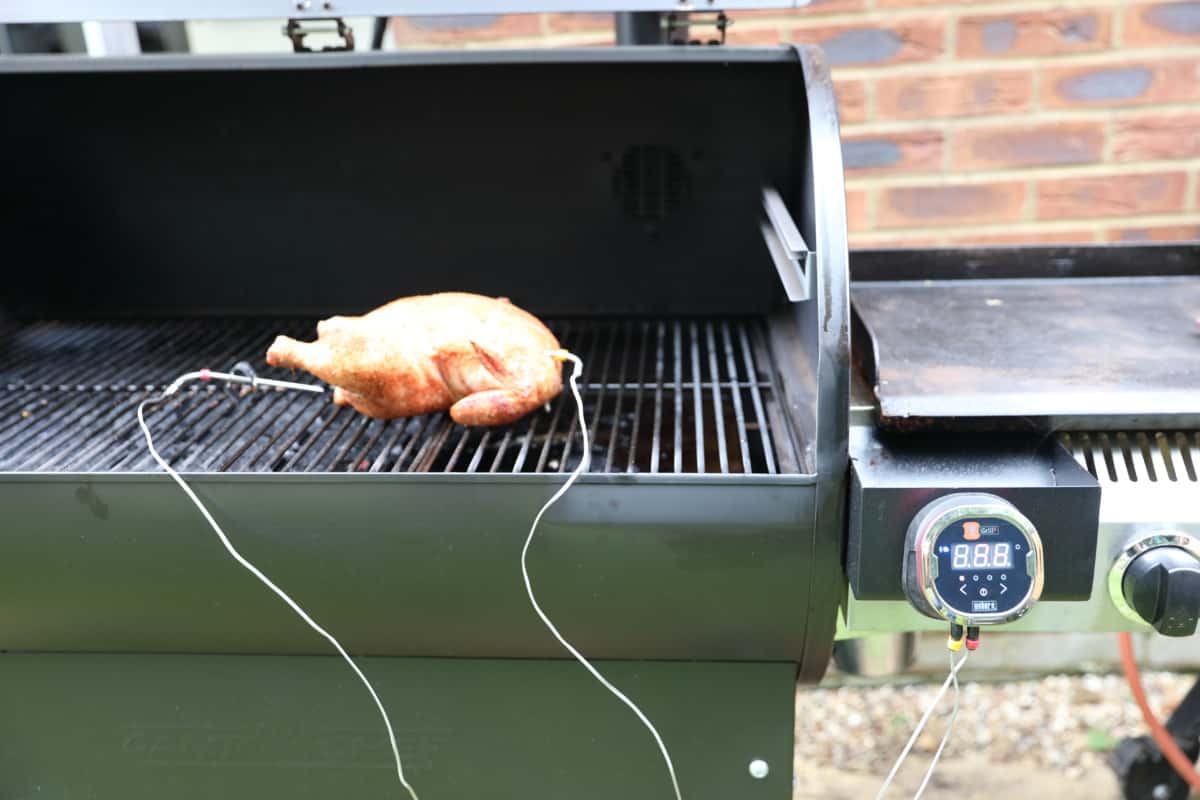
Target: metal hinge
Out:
[677,26]
[296,30]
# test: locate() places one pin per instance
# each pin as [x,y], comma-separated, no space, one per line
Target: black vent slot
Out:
[651,182]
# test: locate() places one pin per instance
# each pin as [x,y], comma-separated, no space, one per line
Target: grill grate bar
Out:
[410,449]
[662,396]
[615,425]
[502,449]
[312,437]
[357,429]
[739,413]
[291,406]
[204,404]
[678,441]
[361,462]
[1137,456]
[477,456]
[398,430]
[117,418]
[637,403]
[718,406]
[588,365]
[462,442]
[346,417]
[697,395]
[24,427]
[429,451]
[659,366]
[598,411]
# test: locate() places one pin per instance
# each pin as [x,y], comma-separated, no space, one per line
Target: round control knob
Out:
[973,559]
[1159,583]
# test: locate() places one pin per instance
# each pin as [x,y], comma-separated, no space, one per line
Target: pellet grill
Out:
[675,213]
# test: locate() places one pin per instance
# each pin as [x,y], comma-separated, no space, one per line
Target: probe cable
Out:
[577,367]
[952,678]
[1162,737]
[253,381]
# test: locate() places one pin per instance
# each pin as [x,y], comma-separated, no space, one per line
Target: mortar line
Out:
[1152,110]
[1096,58]
[1037,226]
[974,177]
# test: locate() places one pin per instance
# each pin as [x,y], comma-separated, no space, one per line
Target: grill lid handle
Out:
[792,257]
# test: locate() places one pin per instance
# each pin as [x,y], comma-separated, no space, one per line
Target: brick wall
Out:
[976,122]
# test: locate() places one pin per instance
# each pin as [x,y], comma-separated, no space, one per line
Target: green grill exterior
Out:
[142,663]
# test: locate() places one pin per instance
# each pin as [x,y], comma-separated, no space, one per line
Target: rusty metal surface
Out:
[1044,353]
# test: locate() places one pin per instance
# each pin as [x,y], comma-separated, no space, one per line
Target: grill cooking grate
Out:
[1137,456]
[670,396]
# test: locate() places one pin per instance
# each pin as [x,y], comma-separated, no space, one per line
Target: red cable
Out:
[1165,741]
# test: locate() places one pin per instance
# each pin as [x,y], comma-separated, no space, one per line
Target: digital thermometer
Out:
[972,559]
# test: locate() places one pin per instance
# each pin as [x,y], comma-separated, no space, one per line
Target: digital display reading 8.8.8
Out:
[981,555]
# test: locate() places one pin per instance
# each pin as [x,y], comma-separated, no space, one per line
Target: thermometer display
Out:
[972,558]
[981,555]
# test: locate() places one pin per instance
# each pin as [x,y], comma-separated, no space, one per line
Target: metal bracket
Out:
[676,27]
[296,30]
[793,259]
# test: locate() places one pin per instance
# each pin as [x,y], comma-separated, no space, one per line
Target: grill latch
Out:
[296,30]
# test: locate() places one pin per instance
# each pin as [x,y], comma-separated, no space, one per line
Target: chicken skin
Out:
[483,358]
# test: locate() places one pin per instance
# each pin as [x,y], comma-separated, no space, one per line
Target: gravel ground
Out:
[1050,735]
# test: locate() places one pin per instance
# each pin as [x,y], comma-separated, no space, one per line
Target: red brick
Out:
[913,151]
[460,30]
[934,205]
[579,23]
[1150,137]
[737,35]
[1034,33]
[1152,24]
[603,41]
[1125,83]
[856,210]
[1048,144]
[1154,233]
[876,45]
[814,7]
[1111,195]
[1024,237]
[877,241]
[922,3]
[940,95]
[852,101]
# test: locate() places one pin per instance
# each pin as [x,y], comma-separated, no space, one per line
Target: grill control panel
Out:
[973,559]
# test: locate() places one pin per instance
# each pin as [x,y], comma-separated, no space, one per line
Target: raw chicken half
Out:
[484,359]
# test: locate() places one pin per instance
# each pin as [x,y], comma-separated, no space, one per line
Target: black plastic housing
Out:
[893,477]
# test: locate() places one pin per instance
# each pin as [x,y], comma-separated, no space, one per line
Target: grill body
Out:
[617,194]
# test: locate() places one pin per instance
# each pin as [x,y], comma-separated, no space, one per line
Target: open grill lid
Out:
[622,181]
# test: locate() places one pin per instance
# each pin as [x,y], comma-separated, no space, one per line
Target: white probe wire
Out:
[945,736]
[951,678]
[253,570]
[583,465]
